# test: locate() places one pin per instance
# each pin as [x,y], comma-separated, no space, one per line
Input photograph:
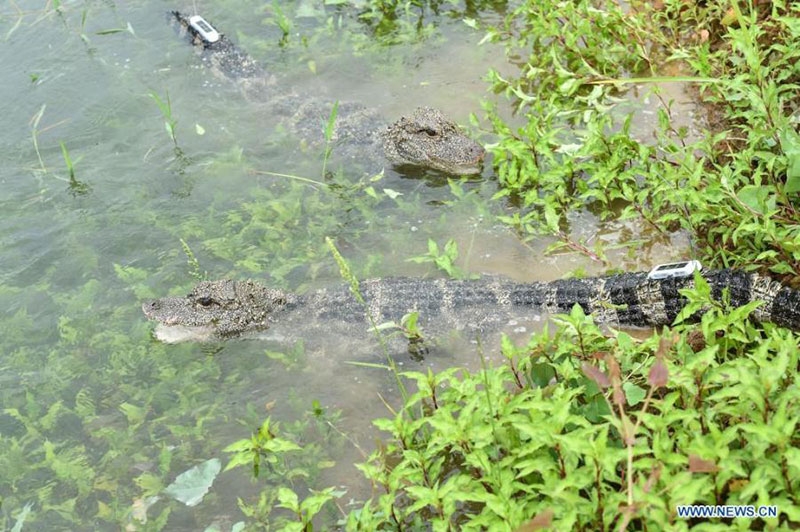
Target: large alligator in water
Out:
[426,138]
[216,310]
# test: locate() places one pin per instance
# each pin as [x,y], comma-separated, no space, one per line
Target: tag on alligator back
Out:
[674,270]
[203,29]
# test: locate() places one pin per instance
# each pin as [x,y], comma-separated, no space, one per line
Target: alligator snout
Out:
[150,307]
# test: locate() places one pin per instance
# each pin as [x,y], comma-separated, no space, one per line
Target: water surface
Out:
[97,415]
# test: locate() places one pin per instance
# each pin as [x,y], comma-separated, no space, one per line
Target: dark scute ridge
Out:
[572,291]
[533,295]
[785,310]
[738,284]
[623,290]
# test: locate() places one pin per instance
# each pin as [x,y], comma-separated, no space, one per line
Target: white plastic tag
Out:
[674,270]
[204,29]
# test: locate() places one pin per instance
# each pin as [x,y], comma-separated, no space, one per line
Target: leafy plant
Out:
[576,151]
[329,128]
[620,433]
[76,186]
[444,260]
[170,123]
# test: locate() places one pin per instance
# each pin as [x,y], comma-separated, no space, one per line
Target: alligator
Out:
[426,138]
[217,310]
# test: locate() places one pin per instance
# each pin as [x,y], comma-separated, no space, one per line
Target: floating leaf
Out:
[191,486]
[199,129]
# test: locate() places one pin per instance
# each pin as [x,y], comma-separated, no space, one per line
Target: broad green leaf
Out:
[633,393]
[191,486]
[288,499]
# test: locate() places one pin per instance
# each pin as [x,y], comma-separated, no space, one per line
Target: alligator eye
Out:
[429,132]
[205,301]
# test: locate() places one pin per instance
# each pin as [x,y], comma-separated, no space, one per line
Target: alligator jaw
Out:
[174,334]
[470,168]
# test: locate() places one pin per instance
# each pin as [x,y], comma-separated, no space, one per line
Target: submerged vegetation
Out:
[586,430]
[580,428]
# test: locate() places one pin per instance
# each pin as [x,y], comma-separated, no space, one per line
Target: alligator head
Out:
[216,310]
[427,138]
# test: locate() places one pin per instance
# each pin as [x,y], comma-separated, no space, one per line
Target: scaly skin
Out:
[225,309]
[426,138]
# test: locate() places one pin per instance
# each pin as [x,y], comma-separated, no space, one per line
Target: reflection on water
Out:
[74,268]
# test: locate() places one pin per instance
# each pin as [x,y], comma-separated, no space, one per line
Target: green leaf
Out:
[314,503]
[191,486]
[331,121]
[551,217]
[135,414]
[288,499]
[757,197]
[790,144]
[279,445]
[634,394]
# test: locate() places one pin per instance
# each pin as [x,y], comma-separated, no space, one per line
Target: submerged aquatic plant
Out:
[165,106]
[77,187]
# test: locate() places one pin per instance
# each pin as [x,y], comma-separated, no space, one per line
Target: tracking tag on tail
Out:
[203,29]
[675,270]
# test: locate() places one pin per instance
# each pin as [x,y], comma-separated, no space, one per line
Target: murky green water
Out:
[96,415]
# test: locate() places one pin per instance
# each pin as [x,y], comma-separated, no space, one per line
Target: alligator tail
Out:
[781,303]
[633,300]
[222,55]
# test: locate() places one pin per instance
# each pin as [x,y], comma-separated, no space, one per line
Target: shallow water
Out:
[96,414]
